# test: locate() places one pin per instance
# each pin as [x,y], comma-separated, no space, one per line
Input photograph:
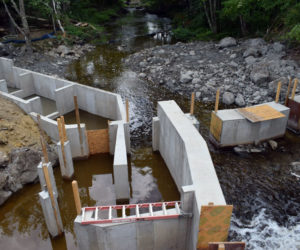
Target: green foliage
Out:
[294,34]
[293,15]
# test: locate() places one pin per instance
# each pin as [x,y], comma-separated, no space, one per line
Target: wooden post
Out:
[221,246]
[217,100]
[61,139]
[288,92]
[63,128]
[76,197]
[44,149]
[192,103]
[78,123]
[278,92]
[294,88]
[50,191]
[127,110]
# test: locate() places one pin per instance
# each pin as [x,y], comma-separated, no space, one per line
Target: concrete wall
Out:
[143,235]
[3,86]
[187,156]
[236,129]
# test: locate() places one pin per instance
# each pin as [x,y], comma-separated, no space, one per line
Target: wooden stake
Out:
[63,127]
[221,246]
[61,139]
[294,88]
[278,92]
[217,101]
[288,92]
[76,197]
[192,103]
[78,123]
[127,110]
[50,191]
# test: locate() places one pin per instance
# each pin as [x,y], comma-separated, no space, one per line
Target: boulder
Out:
[227,42]
[4,195]
[3,179]
[239,100]
[228,98]
[62,49]
[252,52]
[3,159]
[259,74]
[250,60]
[278,47]
[256,42]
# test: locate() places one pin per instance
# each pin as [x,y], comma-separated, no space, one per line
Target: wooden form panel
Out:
[294,118]
[216,126]
[260,113]
[227,245]
[214,225]
[98,141]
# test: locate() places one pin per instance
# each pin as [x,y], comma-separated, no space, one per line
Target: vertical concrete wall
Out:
[120,165]
[187,156]
[49,213]
[51,175]
[3,86]
[143,235]
[66,163]
[64,98]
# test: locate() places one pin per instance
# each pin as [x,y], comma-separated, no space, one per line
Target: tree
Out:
[20,11]
[210,8]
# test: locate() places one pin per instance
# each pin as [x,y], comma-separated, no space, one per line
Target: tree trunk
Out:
[243,26]
[25,26]
[210,9]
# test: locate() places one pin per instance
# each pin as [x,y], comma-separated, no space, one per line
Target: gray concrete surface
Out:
[67,170]
[51,175]
[3,86]
[49,213]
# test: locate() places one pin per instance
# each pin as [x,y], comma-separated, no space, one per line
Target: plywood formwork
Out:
[294,117]
[98,141]
[216,126]
[214,224]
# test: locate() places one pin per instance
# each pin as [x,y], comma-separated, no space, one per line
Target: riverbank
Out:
[246,71]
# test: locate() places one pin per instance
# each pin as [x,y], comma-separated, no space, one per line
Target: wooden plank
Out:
[214,225]
[288,92]
[278,92]
[227,245]
[294,88]
[192,103]
[98,141]
[217,101]
[216,126]
[260,113]
[76,197]
[78,124]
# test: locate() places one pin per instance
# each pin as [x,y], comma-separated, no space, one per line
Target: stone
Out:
[228,98]
[142,75]
[4,195]
[186,76]
[62,49]
[198,94]
[250,60]
[196,81]
[252,52]
[256,42]
[3,178]
[227,42]
[3,159]
[259,74]
[239,100]
[273,144]
[143,64]
[278,47]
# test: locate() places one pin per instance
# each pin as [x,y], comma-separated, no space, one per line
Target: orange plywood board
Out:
[98,141]
[216,126]
[214,225]
[260,113]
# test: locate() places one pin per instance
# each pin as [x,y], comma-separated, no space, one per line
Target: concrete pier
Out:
[65,161]
[51,175]
[3,86]
[294,117]
[121,166]
[230,128]
[49,214]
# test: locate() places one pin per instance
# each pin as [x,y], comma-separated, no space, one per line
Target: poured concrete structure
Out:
[51,176]
[294,117]
[49,215]
[230,128]
[66,163]
[188,159]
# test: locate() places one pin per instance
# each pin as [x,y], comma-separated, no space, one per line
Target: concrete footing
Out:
[51,220]
[194,121]
[3,86]
[66,161]
[294,117]
[51,175]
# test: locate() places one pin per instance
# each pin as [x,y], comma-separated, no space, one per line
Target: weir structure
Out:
[231,127]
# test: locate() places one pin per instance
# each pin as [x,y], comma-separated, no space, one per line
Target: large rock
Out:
[3,50]
[3,159]
[239,100]
[278,47]
[227,42]
[228,98]
[3,179]
[62,49]
[259,74]
[252,52]
[4,195]
[256,42]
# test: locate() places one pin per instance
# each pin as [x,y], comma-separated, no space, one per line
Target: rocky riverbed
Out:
[20,151]
[247,72]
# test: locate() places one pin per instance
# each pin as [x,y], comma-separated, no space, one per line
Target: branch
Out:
[15,7]
[12,19]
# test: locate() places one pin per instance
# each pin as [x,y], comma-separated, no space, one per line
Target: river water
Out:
[262,187]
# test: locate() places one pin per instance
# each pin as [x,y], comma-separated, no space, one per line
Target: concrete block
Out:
[155,133]
[26,84]
[51,175]
[187,196]
[3,86]
[64,97]
[49,213]
[120,166]
[294,117]
[66,163]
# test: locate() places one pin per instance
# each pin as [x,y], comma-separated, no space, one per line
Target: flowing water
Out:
[262,187]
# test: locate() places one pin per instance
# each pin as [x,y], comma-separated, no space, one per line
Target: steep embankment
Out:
[19,149]
[247,72]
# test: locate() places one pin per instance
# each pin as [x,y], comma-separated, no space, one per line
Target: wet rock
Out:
[228,98]
[295,166]
[227,42]
[186,76]
[62,49]
[259,74]
[239,100]
[273,144]
[3,159]
[3,178]
[4,195]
